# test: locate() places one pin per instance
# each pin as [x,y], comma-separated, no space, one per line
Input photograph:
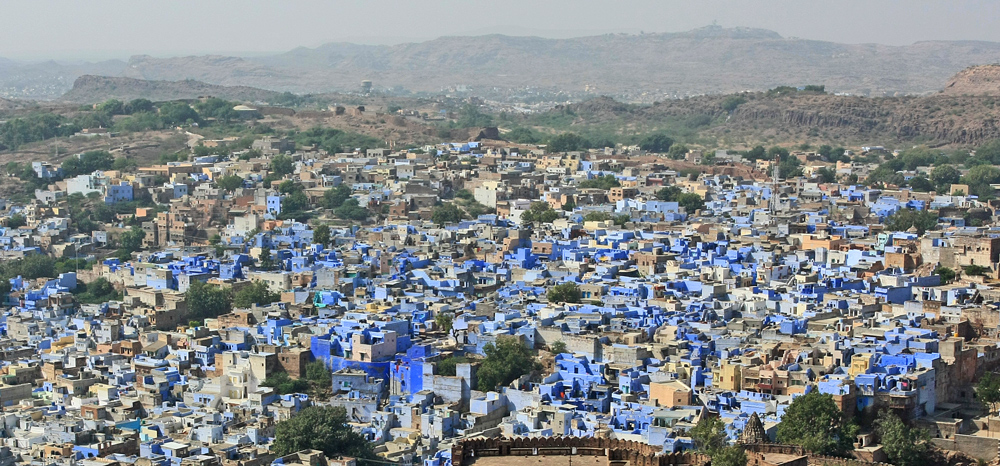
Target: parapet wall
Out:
[636,453]
[766,448]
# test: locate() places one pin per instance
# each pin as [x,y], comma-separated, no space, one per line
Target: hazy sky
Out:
[66,29]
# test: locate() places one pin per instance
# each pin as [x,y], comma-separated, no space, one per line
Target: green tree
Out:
[465,194]
[568,292]
[946,274]
[289,187]
[921,184]
[139,106]
[558,347]
[255,293]
[318,373]
[597,217]
[656,143]
[111,107]
[447,213]
[214,107]
[709,438]
[295,202]
[826,175]
[730,456]
[124,164]
[448,366]
[691,202]
[131,240]
[757,153]
[522,135]
[351,210]
[903,219]
[264,260]
[567,142]
[988,391]
[321,234]
[16,221]
[335,197]
[178,113]
[814,422]
[944,176]
[825,150]
[230,183]
[730,103]
[443,321]
[979,179]
[790,168]
[905,446]
[283,384]
[87,162]
[282,165]
[677,151]
[540,212]
[206,301]
[505,361]
[708,435]
[98,291]
[976,270]
[323,428]
[600,182]
[622,219]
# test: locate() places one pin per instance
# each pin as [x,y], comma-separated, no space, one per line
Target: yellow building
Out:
[860,363]
[728,376]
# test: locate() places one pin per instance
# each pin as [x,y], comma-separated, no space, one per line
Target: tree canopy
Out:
[321,234]
[689,201]
[903,219]
[206,301]
[905,446]
[351,210]
[600,182]
[988,390]
[505,361]
[814,422]
[540,212]
[567,142]
[88,162]
[709,438]
[323,428]
[568,292]
[447,213]
[230,183]
[257,293]
[282,165]
[335,197]
[656,142]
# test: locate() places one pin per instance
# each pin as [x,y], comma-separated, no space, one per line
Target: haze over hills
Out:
[642,67]
[706,60]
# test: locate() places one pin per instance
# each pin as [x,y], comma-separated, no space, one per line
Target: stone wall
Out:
[818,460]
[983,448]
[635,453]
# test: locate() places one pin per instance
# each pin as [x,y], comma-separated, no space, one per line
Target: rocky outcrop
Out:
[975,80]
[89,89]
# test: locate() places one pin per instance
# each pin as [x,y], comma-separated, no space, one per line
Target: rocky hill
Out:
[816,118]
[706,60]
[975,80]
[89,88]
[635,68]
